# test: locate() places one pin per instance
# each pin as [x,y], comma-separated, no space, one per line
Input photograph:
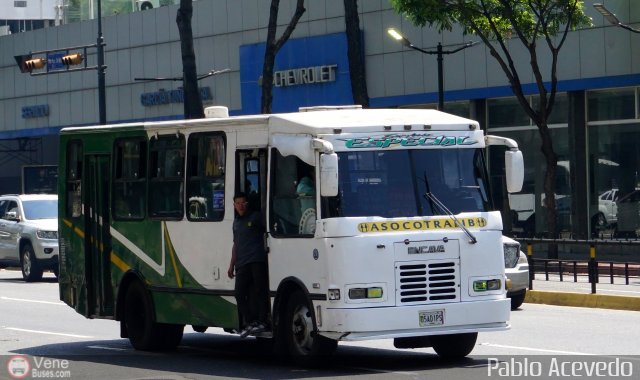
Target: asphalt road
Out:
[34,323]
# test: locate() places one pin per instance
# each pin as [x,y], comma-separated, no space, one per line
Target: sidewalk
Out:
[568,293]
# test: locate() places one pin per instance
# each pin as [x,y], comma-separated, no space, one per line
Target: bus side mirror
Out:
[514,170]
[328,174]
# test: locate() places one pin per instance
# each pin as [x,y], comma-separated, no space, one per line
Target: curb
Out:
[583,300]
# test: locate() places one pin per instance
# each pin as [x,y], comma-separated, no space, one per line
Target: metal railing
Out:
[591,267]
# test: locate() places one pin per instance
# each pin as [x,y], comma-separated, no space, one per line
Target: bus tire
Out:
[299,332]
[144,333]
[454,346]
[31,271]
[170,335]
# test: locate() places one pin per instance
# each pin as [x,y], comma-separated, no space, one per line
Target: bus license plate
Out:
[431,318]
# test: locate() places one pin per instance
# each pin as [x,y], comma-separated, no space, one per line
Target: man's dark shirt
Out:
[248,234]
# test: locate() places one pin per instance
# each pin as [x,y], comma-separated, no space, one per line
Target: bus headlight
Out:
[364,293]
[487,285]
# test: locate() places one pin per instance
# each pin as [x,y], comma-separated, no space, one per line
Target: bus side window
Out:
[205,176]
[293,209]
[166,176]
[74,179]
[129,178]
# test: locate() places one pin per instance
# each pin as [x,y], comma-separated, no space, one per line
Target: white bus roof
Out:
[324,121]
[366,120]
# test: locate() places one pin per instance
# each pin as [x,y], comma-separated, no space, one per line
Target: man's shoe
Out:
[258,328]
[246,330]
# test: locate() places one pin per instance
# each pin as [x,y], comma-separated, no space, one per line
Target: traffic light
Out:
[35,64]
[72,59]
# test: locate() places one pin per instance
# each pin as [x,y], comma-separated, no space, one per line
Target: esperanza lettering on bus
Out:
[420,225]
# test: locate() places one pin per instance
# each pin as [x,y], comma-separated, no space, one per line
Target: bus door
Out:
[97,236]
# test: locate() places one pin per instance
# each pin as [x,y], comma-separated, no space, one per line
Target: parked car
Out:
[29,234]
[516,267]
[628,207]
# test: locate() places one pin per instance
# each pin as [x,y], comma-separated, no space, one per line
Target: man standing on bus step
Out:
[249,267]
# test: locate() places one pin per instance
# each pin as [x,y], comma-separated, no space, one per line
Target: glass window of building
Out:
[461,108]
[525,210]
[560,110]
[506,112]
[614,161]
[616,104]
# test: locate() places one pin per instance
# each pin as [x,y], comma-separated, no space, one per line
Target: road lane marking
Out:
[374,370]
[33,301]
[47,332]
[536,349]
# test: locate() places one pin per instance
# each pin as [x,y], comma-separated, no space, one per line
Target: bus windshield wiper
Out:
[430,196]
[433,200]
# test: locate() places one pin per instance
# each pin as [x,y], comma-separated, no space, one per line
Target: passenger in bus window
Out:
[249,267]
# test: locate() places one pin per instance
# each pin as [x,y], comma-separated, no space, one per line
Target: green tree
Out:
[272,48]
[541,26]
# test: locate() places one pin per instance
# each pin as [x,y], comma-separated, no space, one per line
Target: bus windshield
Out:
[393,183]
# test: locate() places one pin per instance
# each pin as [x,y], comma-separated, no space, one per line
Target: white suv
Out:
[29,234]
[516,267]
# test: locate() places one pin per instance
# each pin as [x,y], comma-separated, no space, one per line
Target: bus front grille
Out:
[430,281]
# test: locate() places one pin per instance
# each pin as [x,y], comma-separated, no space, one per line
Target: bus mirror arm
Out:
[323,146]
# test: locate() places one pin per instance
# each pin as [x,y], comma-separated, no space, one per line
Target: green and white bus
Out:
[396,239]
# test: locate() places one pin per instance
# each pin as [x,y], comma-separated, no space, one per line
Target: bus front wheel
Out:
[299,333]
[454,346]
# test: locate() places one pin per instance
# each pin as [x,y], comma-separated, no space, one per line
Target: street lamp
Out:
[439,52]
[611,17]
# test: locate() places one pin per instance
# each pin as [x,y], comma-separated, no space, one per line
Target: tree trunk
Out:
[272,48]
[355,54]
[192,101]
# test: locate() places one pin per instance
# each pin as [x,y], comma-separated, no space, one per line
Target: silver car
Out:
[29,234]
[516,267]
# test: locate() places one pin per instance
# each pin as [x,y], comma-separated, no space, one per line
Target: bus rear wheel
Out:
[144,332]
[454,346]
[299,332]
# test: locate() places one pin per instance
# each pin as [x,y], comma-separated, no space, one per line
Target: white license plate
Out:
[431,318]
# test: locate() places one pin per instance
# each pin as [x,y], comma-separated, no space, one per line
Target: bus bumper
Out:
[404,321]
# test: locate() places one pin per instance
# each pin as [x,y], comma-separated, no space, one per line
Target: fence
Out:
[590,267]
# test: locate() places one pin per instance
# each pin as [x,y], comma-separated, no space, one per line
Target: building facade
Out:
[595,123]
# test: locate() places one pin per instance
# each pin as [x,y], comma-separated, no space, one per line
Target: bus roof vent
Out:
[216,112]
[328,108]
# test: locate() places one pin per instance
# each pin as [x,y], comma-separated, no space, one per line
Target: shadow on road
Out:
[219,355]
